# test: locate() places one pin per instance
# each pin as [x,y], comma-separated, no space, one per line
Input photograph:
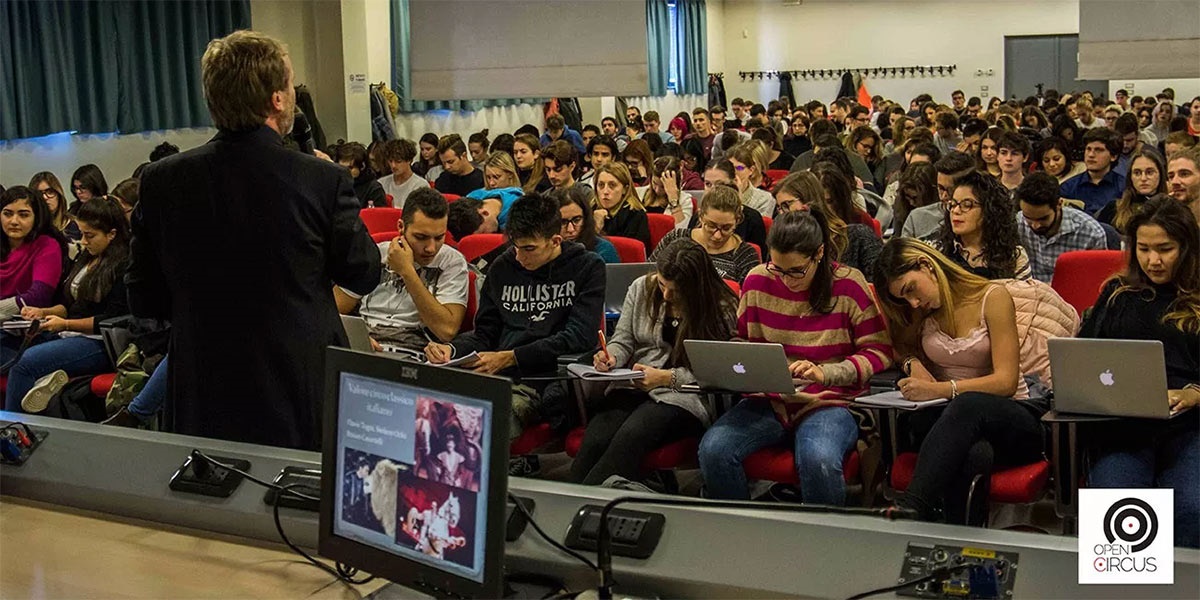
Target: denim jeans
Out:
[75,355]
[1172,461]
[821,442]
[152,397]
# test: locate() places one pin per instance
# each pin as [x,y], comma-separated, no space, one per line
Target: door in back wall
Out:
[1050,60]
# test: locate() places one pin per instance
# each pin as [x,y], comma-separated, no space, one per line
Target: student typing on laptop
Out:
[823,314]
[1157,299]
[684,300]
[423,290]
[956,336]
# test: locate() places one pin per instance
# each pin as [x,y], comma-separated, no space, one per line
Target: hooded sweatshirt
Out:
[541,314]
[507,196]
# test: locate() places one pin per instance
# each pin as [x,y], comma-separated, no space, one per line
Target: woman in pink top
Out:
[31,252]
[956,336]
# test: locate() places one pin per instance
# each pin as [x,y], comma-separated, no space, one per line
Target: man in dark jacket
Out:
[238,243]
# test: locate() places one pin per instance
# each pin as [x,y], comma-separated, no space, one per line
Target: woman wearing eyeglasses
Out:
[683,300]
[617,210]
[867,144]
[46,184]
[749,162]
[980,233]
[720,213]
[835,339]
[578,225]
[854,244]
[956,334]
[87,183]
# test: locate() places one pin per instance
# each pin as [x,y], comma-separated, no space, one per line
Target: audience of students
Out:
[459,176]
[369,191]
[683,299]
[93,290]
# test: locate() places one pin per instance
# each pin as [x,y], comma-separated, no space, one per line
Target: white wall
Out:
[715,14]
[1185,89]
[765,35]
[116,155]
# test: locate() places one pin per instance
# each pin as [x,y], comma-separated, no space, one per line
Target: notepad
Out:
[460,361]
[591,374]
[15,325]
[894,399]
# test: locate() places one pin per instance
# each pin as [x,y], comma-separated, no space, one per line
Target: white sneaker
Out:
[46,388]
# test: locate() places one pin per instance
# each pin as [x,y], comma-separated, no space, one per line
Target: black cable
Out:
[553,542]
[341,572]
[936,574]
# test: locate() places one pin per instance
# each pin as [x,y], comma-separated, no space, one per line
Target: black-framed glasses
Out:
[711,227]
[575,222]
[790,273]
[967,204]
[49,193]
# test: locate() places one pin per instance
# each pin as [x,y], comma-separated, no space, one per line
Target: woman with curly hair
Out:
[980,233]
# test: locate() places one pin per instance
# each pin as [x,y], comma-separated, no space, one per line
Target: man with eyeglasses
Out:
[859,116]
[923,223]
[1048,228]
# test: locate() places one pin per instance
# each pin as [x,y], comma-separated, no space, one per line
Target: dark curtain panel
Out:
[108,66]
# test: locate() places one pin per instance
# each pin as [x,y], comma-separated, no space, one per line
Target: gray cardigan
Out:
[639,339]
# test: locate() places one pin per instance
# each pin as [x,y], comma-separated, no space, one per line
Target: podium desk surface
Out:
[49,551]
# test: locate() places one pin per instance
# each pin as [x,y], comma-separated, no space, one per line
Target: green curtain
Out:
[692,47]
[402,72]
[658,45]
[107,66]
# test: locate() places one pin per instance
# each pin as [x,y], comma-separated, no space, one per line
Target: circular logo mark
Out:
[1132,521]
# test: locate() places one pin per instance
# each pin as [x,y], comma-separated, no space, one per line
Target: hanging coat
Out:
[785,87]
[305,102]
[239,243]
[847,89]
[716,90]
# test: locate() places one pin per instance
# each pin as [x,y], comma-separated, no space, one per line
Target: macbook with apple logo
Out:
[1117,378]
[749,368]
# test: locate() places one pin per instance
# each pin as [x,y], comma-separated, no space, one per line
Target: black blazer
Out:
[239,243]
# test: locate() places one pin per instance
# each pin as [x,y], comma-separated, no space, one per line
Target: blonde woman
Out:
[617,210]
[749,161]
[500,171]
[955,334]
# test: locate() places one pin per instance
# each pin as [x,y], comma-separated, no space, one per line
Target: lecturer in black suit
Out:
[239,243]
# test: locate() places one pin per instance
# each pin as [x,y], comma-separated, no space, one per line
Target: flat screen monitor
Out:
[414,466]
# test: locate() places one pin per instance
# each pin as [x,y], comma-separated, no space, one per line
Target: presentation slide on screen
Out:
[411,465]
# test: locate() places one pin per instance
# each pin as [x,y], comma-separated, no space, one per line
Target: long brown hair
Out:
[955,284]
[1180,224]
[705,303]
[105,215]
[60,216]
[805,186]
[1125,204]
[538,171]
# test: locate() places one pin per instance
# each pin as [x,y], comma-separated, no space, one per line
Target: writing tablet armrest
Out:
[1053,416]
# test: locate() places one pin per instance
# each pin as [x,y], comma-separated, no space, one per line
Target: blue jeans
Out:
[152,397]
[821,442]
[1172,461]
[75,355]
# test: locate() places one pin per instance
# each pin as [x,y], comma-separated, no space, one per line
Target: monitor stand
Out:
[520,587]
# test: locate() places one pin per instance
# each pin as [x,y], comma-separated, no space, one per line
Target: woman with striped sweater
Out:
[823,314]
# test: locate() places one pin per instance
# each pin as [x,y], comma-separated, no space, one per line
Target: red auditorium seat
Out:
[775,175]
[451,197]
[660,226]
[531,439]
[477,244]
[102,383]
[380,219]
[1079,275]
[1014,485]
[767,222]
[629,249]
[671,456]
[778,463]
[384,236]
[757,250]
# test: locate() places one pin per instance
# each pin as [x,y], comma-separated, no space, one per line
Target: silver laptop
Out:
[619,276]
[1117,378]
[740,366]
[357,332]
